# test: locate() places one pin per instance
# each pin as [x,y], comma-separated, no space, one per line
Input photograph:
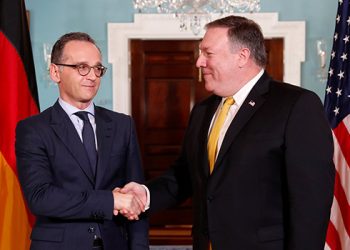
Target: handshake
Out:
[130,200]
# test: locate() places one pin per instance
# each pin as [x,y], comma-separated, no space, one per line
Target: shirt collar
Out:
[242,94]
[70,109]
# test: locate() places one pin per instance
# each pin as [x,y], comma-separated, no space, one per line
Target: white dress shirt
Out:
[77,122]
[239,98]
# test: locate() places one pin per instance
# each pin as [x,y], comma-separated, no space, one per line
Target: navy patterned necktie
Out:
[88,139]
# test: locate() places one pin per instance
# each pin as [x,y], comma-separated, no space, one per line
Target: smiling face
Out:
[75,89]
[220,63]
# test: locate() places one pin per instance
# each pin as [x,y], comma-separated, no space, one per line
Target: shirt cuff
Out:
[148,198]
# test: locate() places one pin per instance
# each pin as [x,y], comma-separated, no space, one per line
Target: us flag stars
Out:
[337,107]
[338,87]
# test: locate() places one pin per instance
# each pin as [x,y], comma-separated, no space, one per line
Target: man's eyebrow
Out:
[201,47]
[85,62]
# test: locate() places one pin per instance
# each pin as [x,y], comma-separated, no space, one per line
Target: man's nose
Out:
[91,75]
[200,61]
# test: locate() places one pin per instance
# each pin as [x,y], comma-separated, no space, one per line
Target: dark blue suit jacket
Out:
[70,204]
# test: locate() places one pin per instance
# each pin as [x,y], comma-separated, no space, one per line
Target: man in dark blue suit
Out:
[72,157]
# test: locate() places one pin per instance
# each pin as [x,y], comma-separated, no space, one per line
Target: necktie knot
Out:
[229,101]
[83,115]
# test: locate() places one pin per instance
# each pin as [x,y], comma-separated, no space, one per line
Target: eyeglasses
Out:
[85,69]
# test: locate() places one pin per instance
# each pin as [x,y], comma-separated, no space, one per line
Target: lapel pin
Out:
[252,103]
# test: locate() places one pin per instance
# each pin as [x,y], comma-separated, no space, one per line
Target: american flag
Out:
[337,106]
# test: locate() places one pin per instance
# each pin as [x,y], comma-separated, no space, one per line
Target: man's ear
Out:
[244,55]
[54,73]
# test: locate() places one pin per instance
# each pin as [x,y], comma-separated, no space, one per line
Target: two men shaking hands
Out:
[131,200]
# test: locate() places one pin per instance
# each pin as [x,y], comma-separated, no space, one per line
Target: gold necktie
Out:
[215,132]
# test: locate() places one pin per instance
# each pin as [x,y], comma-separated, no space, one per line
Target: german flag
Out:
[18,100]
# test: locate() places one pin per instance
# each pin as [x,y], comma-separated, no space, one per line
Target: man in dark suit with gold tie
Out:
[72,157]
[257,155]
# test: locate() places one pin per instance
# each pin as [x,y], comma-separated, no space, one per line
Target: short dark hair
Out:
[244,32]
[57,49]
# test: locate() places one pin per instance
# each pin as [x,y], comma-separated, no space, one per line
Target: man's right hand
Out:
[128,204]
[138,190]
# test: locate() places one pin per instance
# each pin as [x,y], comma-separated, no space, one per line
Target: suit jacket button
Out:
[91,230]
[210,198]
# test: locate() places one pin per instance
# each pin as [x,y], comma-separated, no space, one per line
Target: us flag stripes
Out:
[337,106]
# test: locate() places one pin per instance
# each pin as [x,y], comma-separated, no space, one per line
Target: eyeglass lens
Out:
[84,69]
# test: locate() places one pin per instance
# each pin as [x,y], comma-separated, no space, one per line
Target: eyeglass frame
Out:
[76,66]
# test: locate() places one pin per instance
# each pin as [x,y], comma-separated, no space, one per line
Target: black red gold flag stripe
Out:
[18,100]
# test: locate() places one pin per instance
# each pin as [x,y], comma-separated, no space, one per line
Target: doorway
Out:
[165,84]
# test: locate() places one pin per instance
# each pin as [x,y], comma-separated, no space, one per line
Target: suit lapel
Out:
[66,131]
[104,133]
[251,104]
[209,111]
